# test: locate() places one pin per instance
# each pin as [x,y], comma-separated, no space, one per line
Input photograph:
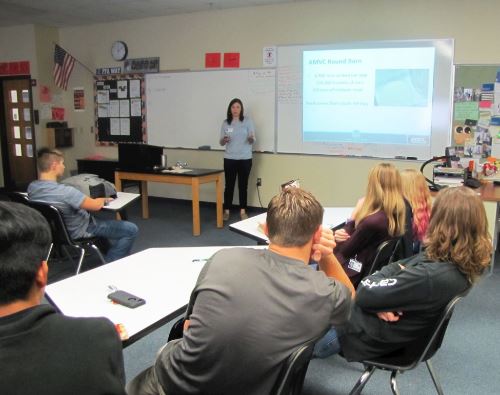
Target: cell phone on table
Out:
[126,299]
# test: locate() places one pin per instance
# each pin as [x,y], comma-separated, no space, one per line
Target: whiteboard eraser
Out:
[204,147]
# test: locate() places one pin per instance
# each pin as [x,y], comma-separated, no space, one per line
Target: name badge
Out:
[355,265]
[229,130]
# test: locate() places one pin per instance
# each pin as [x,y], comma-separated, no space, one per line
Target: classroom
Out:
[181,41]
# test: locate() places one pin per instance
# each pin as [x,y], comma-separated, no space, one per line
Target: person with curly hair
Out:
[397,307]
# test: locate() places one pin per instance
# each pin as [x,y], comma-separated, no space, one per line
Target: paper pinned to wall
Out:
[466,110]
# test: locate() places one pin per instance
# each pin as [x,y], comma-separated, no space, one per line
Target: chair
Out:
[384,255]
[402,362]
[293,372]
[18,197]
[60,235]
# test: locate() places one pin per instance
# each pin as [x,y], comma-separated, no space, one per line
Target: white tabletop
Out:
[122,200]
[252,228]
[164,277]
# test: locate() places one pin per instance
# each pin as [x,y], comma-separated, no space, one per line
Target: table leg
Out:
[118,187]
[144,197]
[219,192]
[118,183]
[195,192]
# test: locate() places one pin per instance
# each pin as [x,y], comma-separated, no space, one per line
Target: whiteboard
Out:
[186,109]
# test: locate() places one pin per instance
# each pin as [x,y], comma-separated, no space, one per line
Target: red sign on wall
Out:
[212,60]
[232,59]
[15,68]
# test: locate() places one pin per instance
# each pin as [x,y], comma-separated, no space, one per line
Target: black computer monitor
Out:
[139,157]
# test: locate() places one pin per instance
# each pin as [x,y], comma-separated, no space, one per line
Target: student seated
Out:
[75,206]
[42,351]
[379,216]
[400,304]
[251,308]
[417,193]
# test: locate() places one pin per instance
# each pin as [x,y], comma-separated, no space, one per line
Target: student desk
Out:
[250,227]
[118,205]
[164,277]
[193,177]
[123,199]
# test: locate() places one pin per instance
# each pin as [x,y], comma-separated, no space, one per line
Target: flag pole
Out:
[83,65]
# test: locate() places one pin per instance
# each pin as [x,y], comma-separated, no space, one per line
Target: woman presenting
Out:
[237,133]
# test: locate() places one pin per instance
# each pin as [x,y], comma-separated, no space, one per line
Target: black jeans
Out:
[236,168]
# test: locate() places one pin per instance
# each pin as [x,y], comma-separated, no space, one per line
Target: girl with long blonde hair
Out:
[417,193]
[381,215]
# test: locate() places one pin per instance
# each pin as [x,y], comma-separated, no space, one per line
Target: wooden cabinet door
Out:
[20,133]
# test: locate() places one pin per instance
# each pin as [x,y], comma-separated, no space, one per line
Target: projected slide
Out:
[368,96]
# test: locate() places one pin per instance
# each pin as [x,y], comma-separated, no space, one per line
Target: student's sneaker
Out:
[243,215]
[225,216]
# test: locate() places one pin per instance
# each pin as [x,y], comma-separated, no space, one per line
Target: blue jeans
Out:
[120,234]
[327,345]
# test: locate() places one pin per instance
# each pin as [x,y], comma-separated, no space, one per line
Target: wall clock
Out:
[119,50]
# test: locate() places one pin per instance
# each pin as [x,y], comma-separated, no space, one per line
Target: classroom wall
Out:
[16,43]
[35,44]
[182,40]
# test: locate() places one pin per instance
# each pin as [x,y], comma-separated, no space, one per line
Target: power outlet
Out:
[259,182]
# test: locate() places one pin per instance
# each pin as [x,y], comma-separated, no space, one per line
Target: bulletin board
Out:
[120,114]
[476,115]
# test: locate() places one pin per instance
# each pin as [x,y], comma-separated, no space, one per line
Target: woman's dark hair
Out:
[230,115]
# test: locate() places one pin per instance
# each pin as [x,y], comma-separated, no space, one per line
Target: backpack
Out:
[91,185]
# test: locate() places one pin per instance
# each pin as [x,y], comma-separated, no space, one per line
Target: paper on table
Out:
[176,171]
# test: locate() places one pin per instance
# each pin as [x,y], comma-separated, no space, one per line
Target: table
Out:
[193,177]
[250,227]
[164,277]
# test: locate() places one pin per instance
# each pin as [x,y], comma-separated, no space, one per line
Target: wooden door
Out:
[19,131]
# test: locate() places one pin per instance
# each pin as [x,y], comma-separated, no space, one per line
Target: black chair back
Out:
[18,197]
[384,255]
[437,336]
[408,359]
[60,234]
[293,372]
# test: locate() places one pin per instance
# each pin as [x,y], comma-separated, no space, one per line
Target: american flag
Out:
[63,66]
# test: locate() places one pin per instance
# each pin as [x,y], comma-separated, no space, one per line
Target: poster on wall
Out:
[79,99]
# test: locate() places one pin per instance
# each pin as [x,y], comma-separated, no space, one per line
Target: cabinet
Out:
[59,137]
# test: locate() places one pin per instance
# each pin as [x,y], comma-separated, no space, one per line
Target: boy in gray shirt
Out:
[250,309]
[75,206]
